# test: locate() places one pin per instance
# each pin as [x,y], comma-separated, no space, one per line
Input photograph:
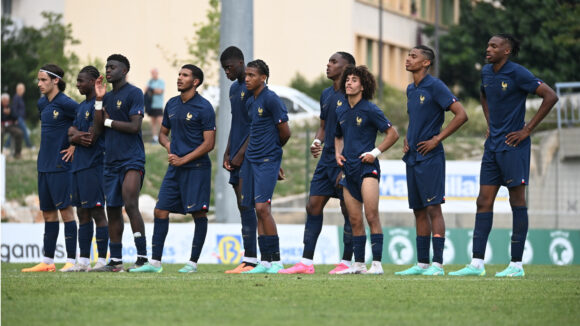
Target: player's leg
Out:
[249,228]
[437,223]
[101,233]
[354,207]
[51,228]
[432,180]
[131,188]
[370,194]
[312,230]
[265,176]
[86,231]
[200,220]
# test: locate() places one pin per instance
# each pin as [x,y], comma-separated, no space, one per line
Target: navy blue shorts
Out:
[54,190]
[325,181]
[235,176]
[259,182]
[426,182]
[113,182]
[87,188]
[353,178]
[185,190]
[509,168]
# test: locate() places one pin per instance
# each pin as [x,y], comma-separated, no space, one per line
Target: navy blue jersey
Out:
[329,101]
[506,92]
[266,112]
[87,157]
[187,122]
[122,147]
[56,117]
[426,106]
[358,126]
[240,127]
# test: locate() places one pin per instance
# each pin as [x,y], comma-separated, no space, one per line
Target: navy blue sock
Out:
[50,237]
[347,240]
[438,245]
[116,249]
[160,229]
[70,239]
[85,238]
[520,231]
[264,250]
[423,245]
[102,238]
[483,223]
[198,238]
[358,244]
[377,246]
[273,245]
[141,245]
[249,232]
[311,232]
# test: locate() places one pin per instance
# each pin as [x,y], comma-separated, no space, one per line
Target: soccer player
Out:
[506,158]
[427,100]
[124,166]
[187,184]
[57,112]
[324,182]
[359,120]
[87,175]
[232,61]
[269,131]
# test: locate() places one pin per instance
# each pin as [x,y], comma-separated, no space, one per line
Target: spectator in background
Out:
[154,102]
[19,108]
[10,124]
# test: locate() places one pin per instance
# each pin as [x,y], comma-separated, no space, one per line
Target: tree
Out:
[550,46]
[204,47]
[25,50]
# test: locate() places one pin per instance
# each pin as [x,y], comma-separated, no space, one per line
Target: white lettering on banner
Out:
[22,243]
[461,187]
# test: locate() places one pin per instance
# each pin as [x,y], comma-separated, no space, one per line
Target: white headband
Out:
[51,73]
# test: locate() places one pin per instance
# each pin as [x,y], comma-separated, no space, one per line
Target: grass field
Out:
[548,295]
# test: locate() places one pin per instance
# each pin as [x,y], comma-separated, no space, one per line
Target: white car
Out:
[301,107]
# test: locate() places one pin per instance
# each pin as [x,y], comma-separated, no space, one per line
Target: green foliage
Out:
[203,48]
[548,295]
[313,89]
[26,49]
[550,46]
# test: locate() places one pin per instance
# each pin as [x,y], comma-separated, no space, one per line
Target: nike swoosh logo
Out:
[84,202]
[430,199]
[342,121]
[171,115]
[509,181]
[257,197]
[190,206]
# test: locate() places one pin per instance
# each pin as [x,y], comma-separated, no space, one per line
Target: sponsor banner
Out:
[223,245]
[546,247]
[461,188]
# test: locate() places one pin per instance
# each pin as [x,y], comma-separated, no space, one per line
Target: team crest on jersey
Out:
[242,95]
[87,114]
[422,99]
[260,111]
[188,116]
[504,86]
[55,114]
[338,103]
[358,121]
[119,104]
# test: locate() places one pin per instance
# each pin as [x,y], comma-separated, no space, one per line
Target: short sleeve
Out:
[166,121]
[69,108]
[137,102]
[379,119]
[526,80]
[277,108]
[443,96]
[208,118]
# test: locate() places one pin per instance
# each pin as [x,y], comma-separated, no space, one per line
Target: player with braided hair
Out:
[269,131]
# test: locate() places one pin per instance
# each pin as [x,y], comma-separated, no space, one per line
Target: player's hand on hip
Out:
[514,138]
[426,146]
[405,145]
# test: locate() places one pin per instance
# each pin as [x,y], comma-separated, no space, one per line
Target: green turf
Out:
[548,295]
